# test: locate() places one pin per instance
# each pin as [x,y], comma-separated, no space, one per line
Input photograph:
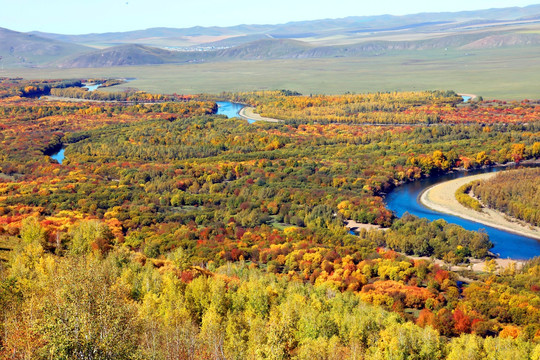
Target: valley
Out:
[296,190]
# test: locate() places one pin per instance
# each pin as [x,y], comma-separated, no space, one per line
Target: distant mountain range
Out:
[19,49]
[347,37]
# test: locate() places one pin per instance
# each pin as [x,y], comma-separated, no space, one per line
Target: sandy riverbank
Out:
[249,114]
[356,226]
[441,197]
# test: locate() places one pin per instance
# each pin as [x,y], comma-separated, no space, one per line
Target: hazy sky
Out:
[86,16]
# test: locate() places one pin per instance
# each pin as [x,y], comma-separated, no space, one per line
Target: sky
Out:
[98,16]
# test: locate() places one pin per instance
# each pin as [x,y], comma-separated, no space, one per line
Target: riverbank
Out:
[248,113]
[441,197]
[356,226]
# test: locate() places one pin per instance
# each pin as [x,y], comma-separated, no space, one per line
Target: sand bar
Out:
[356,226]
[441,197]
[248,113]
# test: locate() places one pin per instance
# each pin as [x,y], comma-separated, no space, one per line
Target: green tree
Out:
[83,315]
[32,231]
[90,236]
[408,341]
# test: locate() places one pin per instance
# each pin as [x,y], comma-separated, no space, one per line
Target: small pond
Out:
[59,156]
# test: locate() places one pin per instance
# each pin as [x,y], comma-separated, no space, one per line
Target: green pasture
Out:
[502,73]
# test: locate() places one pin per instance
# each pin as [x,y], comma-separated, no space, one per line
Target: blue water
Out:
[92,87]
[59,156]
[507,245]
[229,109]
[466,98]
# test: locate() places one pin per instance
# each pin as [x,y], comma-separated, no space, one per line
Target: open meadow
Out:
[494,74]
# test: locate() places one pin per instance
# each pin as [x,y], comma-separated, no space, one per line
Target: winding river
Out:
[226,108]
[92,87]
[405,198]
[229,109]
[95,86]
[59,156]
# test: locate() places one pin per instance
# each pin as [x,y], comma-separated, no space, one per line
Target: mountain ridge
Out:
[373,23]
[272,49]
[352,36]
[18,49]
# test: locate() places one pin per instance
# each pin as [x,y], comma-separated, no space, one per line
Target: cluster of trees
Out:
[106,82]
[206,231]
[23,110]
[464,198]
[412,108]
[126,96]
[491,112]
[18,87]
[31,127]
[415,236]
[514,192]
[376,108]
[92,300]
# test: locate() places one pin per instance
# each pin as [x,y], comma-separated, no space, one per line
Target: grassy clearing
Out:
[278,225]
[509,73]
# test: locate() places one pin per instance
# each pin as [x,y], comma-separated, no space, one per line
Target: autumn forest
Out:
[171,232]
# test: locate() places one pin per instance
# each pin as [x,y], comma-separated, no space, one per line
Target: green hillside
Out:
[27,50]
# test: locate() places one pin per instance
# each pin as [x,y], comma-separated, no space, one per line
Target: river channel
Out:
[226,108]
[406,198]
[229,109]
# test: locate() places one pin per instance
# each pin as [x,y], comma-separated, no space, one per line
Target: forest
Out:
[516,193]
[388,108]
[169,232]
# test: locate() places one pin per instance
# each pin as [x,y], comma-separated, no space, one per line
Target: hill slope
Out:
[347,37]
[504,40]
[268,49]
[19,49]
[123,55]
[426,22]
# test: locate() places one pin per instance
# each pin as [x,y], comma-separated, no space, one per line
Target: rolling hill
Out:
[351,27]
[28,50]
[328,38]
[271,49]
[123,55]
[504,40]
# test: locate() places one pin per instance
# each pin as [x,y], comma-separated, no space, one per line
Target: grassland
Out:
[502,73]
